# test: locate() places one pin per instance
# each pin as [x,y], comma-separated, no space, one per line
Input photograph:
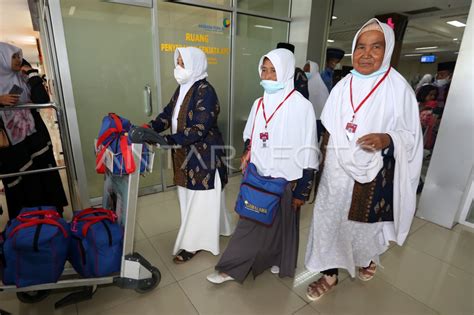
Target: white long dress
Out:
[204,217]
[340,243]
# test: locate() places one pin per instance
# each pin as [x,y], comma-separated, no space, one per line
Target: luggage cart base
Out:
[79,296]
[139,275]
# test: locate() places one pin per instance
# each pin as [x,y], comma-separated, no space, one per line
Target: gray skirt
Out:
[256,247]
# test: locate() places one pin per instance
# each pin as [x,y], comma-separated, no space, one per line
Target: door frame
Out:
[55,52]
[52,30]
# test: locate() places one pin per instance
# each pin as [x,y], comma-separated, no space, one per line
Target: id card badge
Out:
[350,130]
[264,138]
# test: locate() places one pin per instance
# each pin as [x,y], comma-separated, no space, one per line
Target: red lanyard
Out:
[260,102]
[368,95]
[267,121]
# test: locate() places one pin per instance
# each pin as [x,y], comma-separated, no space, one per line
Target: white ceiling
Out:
[16,28]
[423,30]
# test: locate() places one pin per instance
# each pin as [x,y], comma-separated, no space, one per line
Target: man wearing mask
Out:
[333,57]
[443,80]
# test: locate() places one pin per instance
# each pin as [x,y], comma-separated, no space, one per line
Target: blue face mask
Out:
[364,76]
[271,86]
[308,75]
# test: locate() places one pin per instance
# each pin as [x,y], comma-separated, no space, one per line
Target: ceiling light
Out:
[330,40]
[347,55]
[455,39]
[426,48]
[456,23]
[72,9]
[412,55]
[334,17]
[264,26]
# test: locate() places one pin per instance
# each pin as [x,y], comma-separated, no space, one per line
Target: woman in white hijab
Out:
[367,189]
[318,92]
[29,144]
[426,79]
[198,157]
[280,138]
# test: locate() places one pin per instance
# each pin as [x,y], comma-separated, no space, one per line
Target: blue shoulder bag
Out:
[259,196]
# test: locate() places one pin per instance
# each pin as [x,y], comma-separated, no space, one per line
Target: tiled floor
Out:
[432,274]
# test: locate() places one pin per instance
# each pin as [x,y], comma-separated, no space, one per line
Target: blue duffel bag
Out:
[35,247]
[113,137]
[97,243]
[114,148]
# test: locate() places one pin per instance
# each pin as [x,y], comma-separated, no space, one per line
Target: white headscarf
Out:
[391,109]
[194,59]
[318,92]
[427,79]
[292,143]
[19,123]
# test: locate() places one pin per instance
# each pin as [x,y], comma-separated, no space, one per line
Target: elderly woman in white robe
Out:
[282,130]
[372,155]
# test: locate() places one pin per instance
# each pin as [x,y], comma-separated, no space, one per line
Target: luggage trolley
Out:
[120,194]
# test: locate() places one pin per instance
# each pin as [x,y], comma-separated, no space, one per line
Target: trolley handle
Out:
[41,170]
[146,135]
[32,106]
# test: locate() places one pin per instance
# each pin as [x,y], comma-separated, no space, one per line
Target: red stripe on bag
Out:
[117,120]
[26,216]
[108,215]
[99,159]
[126,149]
[34,222]
[127,155]
[93,211]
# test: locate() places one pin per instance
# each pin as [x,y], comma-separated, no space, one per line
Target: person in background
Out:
[299,79]
[29,143]
[429,120]
[372,154]
[333,57]
[318,92]
[426,79]
[198,156]
[426,97]
[443,82]
[280,139]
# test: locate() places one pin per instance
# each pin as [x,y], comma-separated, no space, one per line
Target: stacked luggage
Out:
[36,245]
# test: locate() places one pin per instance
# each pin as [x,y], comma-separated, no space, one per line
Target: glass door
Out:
[210,30]
[110,49]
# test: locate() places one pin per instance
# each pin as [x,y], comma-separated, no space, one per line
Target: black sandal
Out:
[183,256]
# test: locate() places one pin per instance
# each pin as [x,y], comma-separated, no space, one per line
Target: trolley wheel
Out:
[33,296]
[151,283]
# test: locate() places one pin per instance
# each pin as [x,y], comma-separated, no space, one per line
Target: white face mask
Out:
[441,82]
[182,75]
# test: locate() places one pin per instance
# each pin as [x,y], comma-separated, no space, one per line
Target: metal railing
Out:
[32,106]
